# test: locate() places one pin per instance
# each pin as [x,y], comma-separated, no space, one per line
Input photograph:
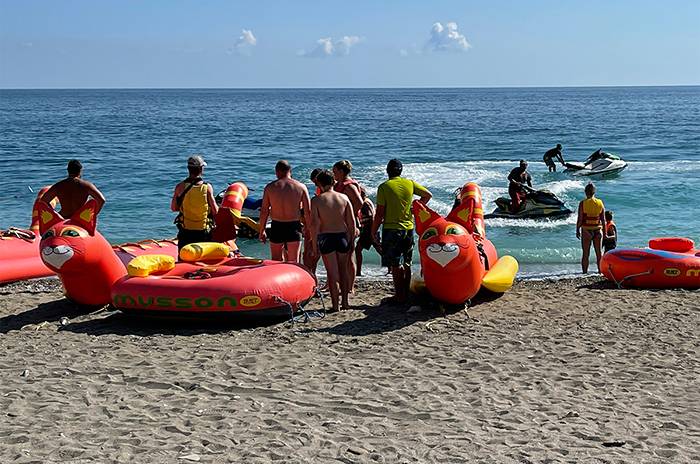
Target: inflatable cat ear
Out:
[424,216]
[47,216]
[86,216]
[469,212]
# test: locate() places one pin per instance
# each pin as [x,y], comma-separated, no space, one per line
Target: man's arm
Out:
[49,195]
[579,221]
[378,219]
[422,192]
[96,194]
[350,224]
[306,204]
[315,225]
[602,220]
[353,194]
[264,214]
[213,207]
[176,193]
[529,180]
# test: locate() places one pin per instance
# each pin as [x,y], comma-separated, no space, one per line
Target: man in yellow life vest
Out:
[194,200]
[590,226]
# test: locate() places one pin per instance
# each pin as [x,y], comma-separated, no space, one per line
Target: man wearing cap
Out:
[393,213]
[518,179]
[194,200]
[73,191]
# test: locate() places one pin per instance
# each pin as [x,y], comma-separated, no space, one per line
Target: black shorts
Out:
[365,241]
[283,232]
[549,162]
[333,243]
[397,247]
[609,244]
[185,237]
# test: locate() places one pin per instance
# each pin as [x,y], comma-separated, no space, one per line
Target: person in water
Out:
[333,234]
[610,240]
[549,156]
[194,200]
[283,199]
[394,198]
[365,240]
[351,188]
[590,226]
[518,179]
[73,191]
[309,259]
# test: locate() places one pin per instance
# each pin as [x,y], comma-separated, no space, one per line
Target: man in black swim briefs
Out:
[282,201]
[333,235]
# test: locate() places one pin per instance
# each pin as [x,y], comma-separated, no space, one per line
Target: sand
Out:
[569,371]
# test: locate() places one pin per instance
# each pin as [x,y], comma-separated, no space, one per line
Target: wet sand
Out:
[568,371]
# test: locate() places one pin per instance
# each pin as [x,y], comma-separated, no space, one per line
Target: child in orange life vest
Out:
[610,240]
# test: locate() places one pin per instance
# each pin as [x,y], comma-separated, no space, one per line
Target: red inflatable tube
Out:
[19,256]
[659,266]
[238,285]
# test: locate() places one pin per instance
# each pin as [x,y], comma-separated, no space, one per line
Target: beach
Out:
[553,371]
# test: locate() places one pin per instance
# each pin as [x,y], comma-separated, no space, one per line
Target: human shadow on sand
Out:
[388,318]
[50,312]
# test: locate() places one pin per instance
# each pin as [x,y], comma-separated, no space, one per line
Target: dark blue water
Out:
[134,145]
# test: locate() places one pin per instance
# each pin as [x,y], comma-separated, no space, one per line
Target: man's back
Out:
[396,195]
[72,193]
[285,197]
[331,208]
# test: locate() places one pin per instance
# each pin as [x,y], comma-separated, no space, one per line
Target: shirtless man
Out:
[334,231]
[282,201]
[72,192]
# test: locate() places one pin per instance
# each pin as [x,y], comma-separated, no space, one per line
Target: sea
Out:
[134,145]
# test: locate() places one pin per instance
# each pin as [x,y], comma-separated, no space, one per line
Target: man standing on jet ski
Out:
[517,180]
[549,156]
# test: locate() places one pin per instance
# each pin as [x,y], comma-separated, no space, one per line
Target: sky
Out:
[359,43]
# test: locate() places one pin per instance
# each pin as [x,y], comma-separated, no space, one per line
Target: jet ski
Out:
[539,204]
[251,210]
[599,163]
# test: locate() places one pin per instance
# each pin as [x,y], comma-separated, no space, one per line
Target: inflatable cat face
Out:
[443,244]
[65,243]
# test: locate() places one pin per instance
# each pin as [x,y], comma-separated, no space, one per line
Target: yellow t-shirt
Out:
[396,195]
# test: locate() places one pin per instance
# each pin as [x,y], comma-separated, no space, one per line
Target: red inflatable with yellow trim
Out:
[456,258]
[19,250]
[144,277]
[669,262]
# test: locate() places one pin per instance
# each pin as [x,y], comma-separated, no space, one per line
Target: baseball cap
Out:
[196,161]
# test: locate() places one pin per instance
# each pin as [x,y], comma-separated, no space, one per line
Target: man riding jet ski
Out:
[539,204]
[599,163]
[526,202]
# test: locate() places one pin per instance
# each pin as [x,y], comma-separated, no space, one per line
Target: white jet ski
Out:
[599,163]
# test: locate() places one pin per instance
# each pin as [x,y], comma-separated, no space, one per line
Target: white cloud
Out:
[446,38]
[328,47]
[245,43]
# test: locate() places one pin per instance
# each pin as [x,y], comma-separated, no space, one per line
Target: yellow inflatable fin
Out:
[253,224]
[500,277]
[145,265]
[204,250]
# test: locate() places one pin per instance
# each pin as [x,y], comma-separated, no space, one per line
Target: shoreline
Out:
[557,371]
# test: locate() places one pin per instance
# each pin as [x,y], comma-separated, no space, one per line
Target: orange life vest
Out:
[608,227]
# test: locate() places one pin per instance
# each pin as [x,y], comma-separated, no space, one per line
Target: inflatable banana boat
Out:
[670,262]
[456,258]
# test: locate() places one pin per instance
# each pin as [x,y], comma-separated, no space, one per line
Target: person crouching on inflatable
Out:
[194,200]
[590,226]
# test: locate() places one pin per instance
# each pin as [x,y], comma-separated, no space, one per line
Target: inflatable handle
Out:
[204,250]
[502,275]
[145,265]
[674,244]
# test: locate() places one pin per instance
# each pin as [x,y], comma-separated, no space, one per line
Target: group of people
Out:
[339,222]
[336,225]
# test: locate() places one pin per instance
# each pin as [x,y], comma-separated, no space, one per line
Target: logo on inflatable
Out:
[251,300]
[672,272]
[127,301]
